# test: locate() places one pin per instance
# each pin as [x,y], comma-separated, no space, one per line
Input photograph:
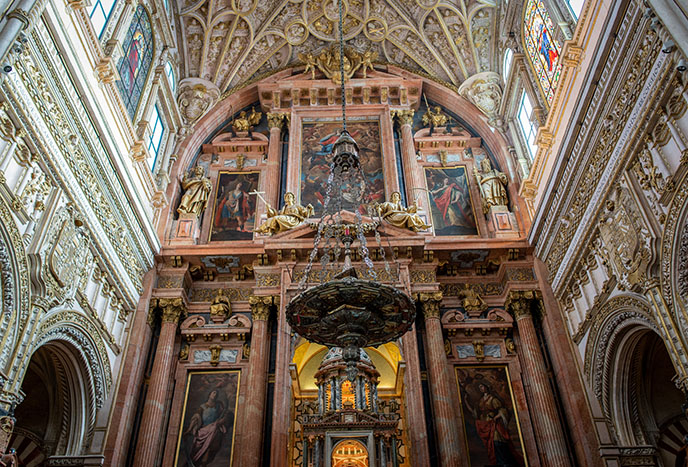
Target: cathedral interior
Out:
[344,233]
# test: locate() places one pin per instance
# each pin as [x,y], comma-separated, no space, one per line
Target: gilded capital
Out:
[430,304]
[277,119]
[260,306]
[172,309]
[404,117]
[519,302]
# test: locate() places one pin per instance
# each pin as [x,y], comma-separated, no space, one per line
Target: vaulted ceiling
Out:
[228,42]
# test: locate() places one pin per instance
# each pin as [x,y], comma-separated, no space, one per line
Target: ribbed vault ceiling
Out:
[228,42]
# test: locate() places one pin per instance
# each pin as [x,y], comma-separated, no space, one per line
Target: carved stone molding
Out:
[196,97]
[485,92]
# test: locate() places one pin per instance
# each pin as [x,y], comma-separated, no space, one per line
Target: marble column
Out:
[276,122]
[412,171]
[281,413]
[543,409]
[444,400]
[414,399]
[150,433]
[257,379]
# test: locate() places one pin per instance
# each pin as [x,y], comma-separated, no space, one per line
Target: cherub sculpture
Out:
[246,122]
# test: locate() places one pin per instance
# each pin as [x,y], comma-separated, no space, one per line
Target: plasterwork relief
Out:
[231,43]
[42,108]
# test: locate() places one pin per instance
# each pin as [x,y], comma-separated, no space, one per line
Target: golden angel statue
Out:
[290,216]
[309,60]
[434,117]
[492,184]
[244,122]
[197,190]
[399,216]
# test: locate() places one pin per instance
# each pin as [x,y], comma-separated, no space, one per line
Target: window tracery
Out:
[542,48]
[156,131]
[100,14]
[136,62]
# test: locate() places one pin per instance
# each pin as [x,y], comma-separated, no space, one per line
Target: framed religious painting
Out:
[206,433]
[234,209]
[491,426]
[451,204]
[317,138]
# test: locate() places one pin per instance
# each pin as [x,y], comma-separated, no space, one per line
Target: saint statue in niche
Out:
[290,216]
[399,216]
[492,184]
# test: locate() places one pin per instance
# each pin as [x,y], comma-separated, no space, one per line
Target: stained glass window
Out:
[576,7]
[541,46]
[100,13]
[156,130]
[134,65]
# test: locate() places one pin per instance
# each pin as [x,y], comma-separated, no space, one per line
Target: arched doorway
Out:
[645,403]
[57,415]
[350,453]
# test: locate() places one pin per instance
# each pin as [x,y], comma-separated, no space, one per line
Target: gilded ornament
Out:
[184,352]
[289,217]
[472,302]
[510,346]
[197,191]
[277,119]
[423,276]
[221,307]
[267,280]
[396,214]
[328,62]
[260,306]
[479,348]
[492,184]
[246,121]
[215,351]
[404,117]
[430,304]
[172,309]
[434,118]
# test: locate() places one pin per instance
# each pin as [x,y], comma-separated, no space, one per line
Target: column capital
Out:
[519,302]
[171,310]
[404,117]
[430,303]
[260,306]
[277,119]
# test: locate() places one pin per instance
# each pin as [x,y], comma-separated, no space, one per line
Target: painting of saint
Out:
[450,201]
[206,436]
[234,210]
[316,148]
[491,424]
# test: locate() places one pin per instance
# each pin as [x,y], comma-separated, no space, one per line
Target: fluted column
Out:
[257,377]
[451,449]
[149,440]
[547,427]
[412,172]
[276,122]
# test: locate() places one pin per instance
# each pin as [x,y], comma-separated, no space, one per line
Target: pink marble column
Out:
[276,122]
[444,400]
[150,433]
[547,426]
[257,379]
[413,391]
[412,171]
[281,411]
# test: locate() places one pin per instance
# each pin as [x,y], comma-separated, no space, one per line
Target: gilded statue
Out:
[290,216]
[399,216]
[434,118]
[492,184]
[327,61]
[196,188]
[220,308]
[245,122]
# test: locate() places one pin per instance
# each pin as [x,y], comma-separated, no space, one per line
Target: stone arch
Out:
[14,286]
[59,382]
[617,359]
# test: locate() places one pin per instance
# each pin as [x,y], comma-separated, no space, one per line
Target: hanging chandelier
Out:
[344,306]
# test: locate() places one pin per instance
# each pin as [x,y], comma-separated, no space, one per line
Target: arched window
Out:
[156,129]
[541,46]
[169,71]
[576,6]
[134,65]
[528,130]
[508,57]
[100,13]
